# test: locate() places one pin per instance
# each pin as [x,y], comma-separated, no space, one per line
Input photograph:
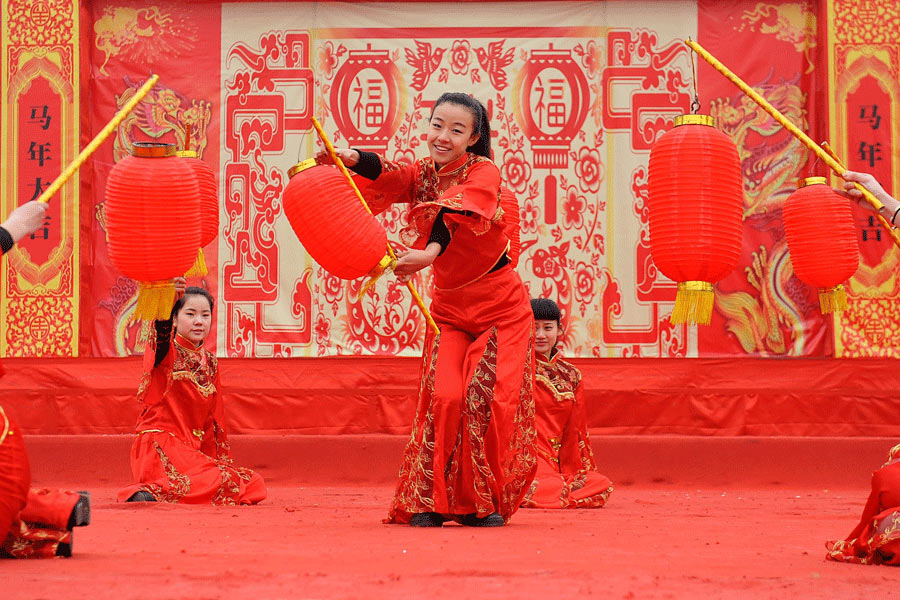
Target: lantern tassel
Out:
[155,301]
[693,303]
[375,274]
[832,299]
[198,269]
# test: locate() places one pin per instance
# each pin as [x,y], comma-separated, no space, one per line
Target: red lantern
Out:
[511,226]
[152,214]
[332,224]
[209,207]
[695,208]
[824,250]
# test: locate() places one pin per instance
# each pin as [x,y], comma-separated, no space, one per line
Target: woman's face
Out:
[450,131]
[545,335]
[194,319]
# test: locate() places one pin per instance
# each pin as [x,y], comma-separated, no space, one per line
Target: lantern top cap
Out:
[152,150]
[301,166]
[695,120]
[805,181]
[187,154]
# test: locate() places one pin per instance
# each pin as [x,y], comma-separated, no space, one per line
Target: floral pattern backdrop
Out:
[577,93]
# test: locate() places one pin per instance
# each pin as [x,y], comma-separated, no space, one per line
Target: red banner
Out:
[181,43]
[762,308]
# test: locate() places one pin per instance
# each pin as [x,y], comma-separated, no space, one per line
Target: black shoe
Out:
[81,512]
[65,550]
[141,496]
[429,519]
[492,520]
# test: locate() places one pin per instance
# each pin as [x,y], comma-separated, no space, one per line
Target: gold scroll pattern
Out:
[39,301]
[862,42]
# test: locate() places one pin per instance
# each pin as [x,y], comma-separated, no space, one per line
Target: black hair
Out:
[482,125]
[545,309]
[192,291]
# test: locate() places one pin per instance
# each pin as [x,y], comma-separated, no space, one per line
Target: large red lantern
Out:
[511,225]
[824,250]
[332,224]
[209,207]
[152,211]
[695,208]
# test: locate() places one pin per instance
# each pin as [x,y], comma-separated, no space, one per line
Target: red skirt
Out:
[172,471]
[472,446]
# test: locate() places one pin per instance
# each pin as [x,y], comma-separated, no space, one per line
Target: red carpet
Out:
[724,517]
[717,514]
[328,542]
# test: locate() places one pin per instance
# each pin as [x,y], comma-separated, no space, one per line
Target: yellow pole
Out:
[824,156]
[98,139]
[390,250]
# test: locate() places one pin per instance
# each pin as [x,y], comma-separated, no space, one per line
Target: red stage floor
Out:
[721,517]
[328,542]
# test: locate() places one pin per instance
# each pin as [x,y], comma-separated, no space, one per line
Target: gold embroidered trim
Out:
[6,426]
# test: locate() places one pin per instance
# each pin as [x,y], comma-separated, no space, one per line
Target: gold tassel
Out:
[155,301]
[377,271]
[833,299]
[693,303]
[198,269]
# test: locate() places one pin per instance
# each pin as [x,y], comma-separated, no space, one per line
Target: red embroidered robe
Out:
[567,474]
[471,449]
[876,539]
[181,453]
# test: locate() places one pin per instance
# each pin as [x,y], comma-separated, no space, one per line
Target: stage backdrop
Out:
[577,93]
[864,109]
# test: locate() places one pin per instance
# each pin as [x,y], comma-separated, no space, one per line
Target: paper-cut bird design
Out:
[425,61]
[494,62]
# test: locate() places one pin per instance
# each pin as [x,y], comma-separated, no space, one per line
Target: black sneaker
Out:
[429,519]
[492,520]
[81,512]
[141,496]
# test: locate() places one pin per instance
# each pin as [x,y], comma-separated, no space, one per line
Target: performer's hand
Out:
[348,157]
[180,286]
[412,261]
[25,219]
[869,182]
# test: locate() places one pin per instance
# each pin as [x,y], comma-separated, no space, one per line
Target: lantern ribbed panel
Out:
[332,224]
[695,204]
[818,224]
[152,214]
[512,227]
[209,199]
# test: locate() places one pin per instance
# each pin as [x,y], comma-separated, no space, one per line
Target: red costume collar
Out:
[187,344]
[453,166]
[541,357]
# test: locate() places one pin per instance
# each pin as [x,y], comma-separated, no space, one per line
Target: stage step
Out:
[686,461]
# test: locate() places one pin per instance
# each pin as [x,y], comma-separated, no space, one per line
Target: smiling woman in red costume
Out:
[181,453]
[567,474]
[33,523]
[470,457]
